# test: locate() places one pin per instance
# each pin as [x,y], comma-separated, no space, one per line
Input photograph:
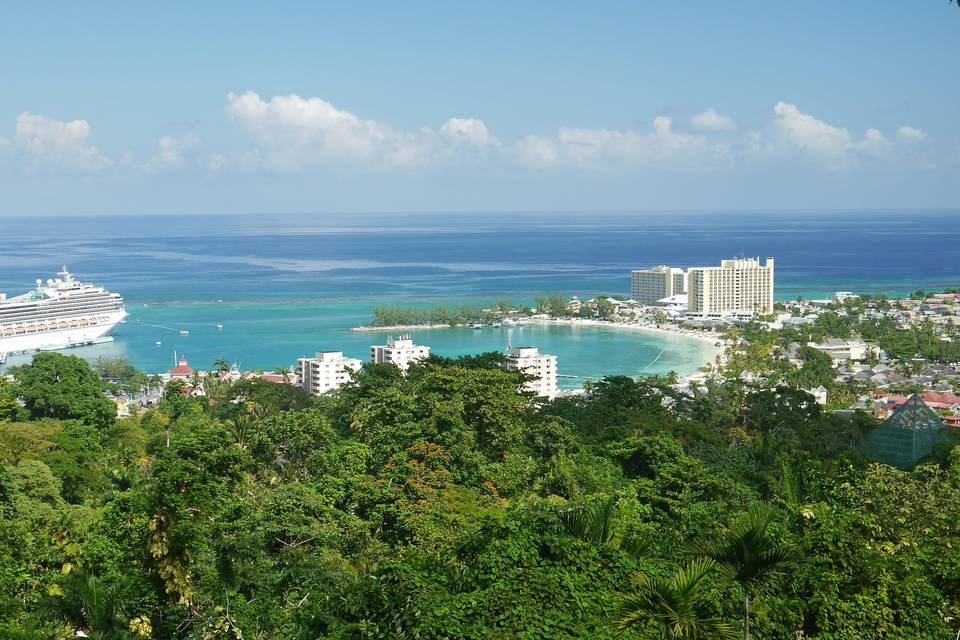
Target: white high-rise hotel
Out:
[541,367]
[326,371]
[400,351]
[650,285]
[738,286]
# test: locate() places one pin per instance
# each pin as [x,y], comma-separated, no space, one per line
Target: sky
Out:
[253,107]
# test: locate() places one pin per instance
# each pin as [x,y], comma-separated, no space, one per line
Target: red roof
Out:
[182,368]
[934,397]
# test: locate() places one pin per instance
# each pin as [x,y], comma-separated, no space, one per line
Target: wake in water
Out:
[654,360]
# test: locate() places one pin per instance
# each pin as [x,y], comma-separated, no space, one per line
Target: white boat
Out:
[184,332]
[158,343]
[509,322]
[58,314]
[220,327]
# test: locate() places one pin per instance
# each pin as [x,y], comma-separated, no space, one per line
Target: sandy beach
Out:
[399,327]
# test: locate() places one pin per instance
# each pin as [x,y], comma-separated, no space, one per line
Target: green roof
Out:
[906,436]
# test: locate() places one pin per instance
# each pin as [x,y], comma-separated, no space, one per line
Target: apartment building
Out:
[326,371]
[400,351]
[540,366]
[650,285]
[740,286]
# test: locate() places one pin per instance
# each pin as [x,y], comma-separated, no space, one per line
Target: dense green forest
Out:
[446,504]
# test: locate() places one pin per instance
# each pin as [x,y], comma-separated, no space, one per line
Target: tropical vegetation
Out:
[445,503]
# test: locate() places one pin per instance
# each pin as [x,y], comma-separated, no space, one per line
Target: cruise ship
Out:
[58,314]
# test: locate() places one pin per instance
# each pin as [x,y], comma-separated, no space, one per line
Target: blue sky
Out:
[119,107]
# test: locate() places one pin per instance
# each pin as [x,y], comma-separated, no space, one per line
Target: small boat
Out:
[184,332]
[145,304]
[158,343]
[509,322]
[475,325]
[495,325]
[220,326]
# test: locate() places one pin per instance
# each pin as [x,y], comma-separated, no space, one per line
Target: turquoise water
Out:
[267,335]
[295,284]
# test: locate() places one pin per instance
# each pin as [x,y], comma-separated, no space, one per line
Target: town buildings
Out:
[738,287]
[651,285]
[400,351]
[541,367]
[326,371]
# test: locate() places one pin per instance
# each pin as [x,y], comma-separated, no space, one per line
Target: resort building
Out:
[650,285]
[326,371]
[400,351]
[182,371]
[542,368]
[738,287]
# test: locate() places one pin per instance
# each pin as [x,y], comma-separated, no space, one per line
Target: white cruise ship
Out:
[59,314]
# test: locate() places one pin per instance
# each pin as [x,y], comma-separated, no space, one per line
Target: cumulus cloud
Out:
[835,146]
[47,141]
[710,120]
[911,134]
[294,130]
[596,148]
[174,151]
[295,133]
[471,131]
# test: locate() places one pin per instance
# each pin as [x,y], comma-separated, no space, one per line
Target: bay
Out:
[291,284]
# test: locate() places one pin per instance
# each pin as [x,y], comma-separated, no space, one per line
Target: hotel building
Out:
[401,352]
[737,287]
[326,371]
[650,285]
[542,368]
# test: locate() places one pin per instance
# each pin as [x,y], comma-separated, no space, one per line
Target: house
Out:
[182,371]
[819,394]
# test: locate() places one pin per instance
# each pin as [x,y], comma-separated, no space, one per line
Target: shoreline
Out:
[709,338]
[400,327]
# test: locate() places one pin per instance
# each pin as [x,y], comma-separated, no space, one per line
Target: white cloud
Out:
[710,120]
[64,144]
[836,147]
[173,152]
[471,131]
[810,134]
[294,133]
[911,134]
[595,148]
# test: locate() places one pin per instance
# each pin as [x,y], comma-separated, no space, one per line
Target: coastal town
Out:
[850,352]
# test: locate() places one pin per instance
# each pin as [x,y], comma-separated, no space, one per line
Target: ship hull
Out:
[61,338]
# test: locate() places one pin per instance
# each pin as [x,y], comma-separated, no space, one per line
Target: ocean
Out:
[286,285]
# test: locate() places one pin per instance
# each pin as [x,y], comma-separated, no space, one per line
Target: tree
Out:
[750,555]
[672,604]
[64,387]
[9,408]
[221,365]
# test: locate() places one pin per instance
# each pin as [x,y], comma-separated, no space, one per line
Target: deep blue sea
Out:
[294,284]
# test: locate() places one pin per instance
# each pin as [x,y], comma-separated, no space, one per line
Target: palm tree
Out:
[671,604]
[595,522]
[750,556]
[92,604]
[239,428]
[221,365]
